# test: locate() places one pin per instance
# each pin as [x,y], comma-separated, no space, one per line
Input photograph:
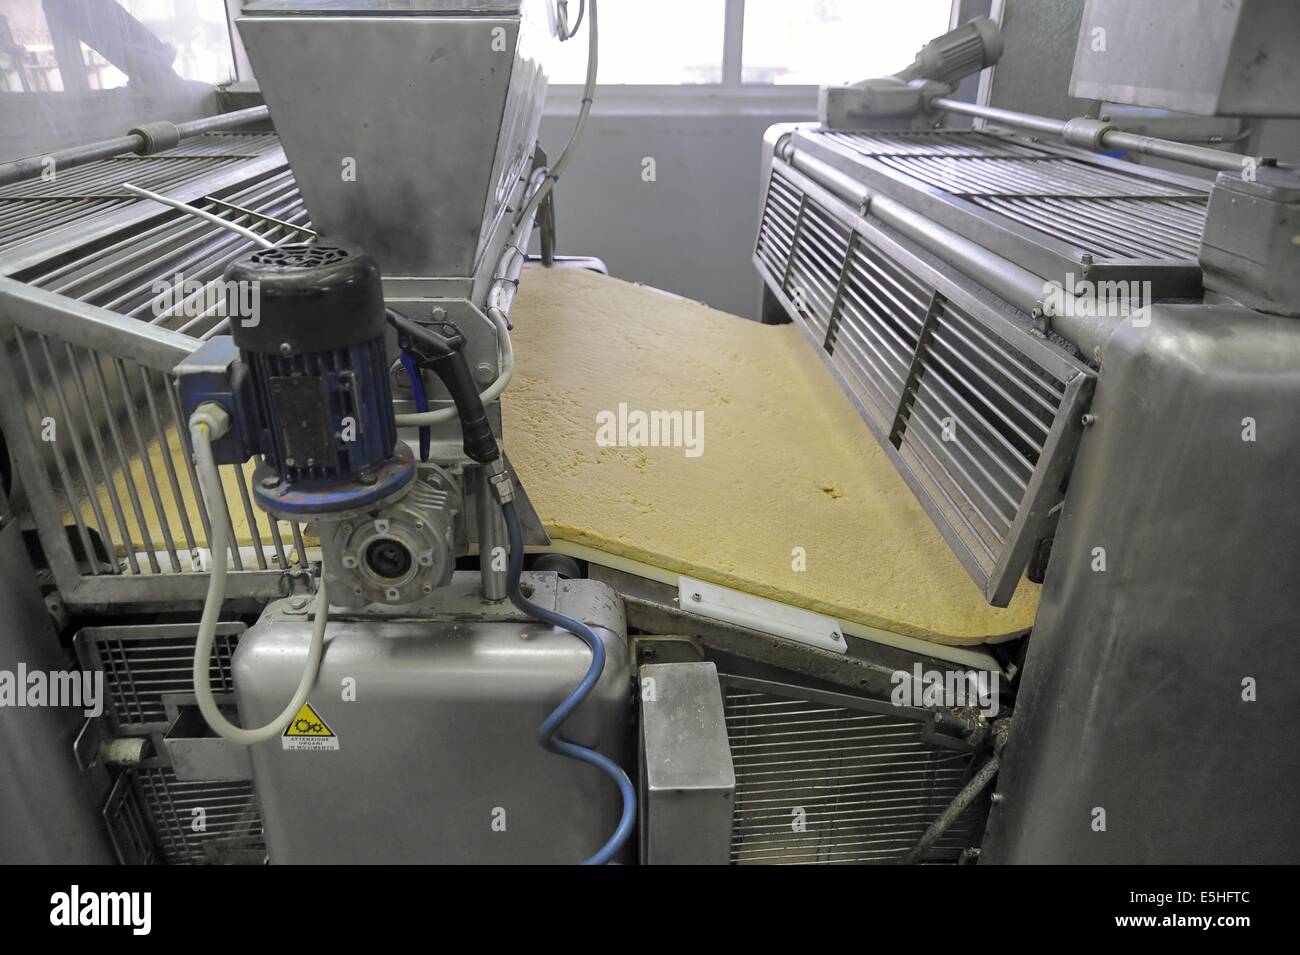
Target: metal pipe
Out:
[1100,136]
[1011,282]
[983,776]
[492,538]
[147,139]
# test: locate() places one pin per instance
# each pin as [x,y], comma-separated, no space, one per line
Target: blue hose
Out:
[562,712]
[421,401]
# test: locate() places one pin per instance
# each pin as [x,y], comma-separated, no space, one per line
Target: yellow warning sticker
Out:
[308,730]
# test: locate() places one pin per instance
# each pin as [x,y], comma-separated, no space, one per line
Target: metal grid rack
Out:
[91,410]
[72,199]
[150,812]
[980,416]
[828,779]
[1053,210]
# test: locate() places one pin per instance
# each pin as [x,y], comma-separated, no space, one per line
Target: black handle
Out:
[444,354]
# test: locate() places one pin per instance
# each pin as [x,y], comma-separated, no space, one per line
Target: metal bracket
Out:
[759,613]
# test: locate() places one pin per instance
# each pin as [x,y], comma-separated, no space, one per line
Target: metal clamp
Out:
[1087,133]
[157,136]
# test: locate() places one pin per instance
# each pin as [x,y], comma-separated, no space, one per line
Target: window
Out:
[663,42]
[771,43]
[829,42]
[70,45]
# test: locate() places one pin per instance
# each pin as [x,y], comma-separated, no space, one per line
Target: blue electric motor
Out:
[310,390]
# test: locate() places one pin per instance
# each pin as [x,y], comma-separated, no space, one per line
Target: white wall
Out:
[690,231]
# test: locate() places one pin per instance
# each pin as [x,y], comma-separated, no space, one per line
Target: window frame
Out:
[732,95]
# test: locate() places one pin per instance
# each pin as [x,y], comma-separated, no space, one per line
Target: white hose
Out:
[423,419]
[204,422]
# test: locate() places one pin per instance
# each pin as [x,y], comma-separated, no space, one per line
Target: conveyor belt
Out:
[786,468]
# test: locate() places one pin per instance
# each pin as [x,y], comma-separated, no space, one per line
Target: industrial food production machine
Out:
[298,475]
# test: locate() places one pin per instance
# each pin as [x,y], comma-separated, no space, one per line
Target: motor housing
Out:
[315,355]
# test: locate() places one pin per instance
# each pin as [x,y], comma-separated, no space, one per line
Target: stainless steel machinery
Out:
[289,510]
[1085,368]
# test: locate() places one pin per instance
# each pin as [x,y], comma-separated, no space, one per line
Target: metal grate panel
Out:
[151,814]
[74,197]
[1027,176]
[876,329]
[1044,207]
[980,416]
[130,827]
[903,143]
[144,665]
[231,821]
[135,274]
[100,415]
[829,784]
[1167,230]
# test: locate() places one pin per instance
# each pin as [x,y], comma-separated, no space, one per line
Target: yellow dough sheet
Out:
[781,493]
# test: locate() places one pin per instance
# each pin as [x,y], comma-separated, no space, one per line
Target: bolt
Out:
[286,348]
[367,478]
[298,603]
[270,481]
[484,373]
[437,313]
[1088,420]
[696,597]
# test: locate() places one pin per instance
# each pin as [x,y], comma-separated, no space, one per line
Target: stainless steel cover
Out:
[437,757]
[408,126]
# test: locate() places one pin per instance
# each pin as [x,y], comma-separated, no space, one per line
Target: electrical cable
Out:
[582,8]
[584,111]
[210,418]
[549,729]
[421,400]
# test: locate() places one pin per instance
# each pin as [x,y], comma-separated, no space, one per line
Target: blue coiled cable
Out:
[562,712]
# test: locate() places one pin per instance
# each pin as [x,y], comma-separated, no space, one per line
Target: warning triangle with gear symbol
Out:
[308,730]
